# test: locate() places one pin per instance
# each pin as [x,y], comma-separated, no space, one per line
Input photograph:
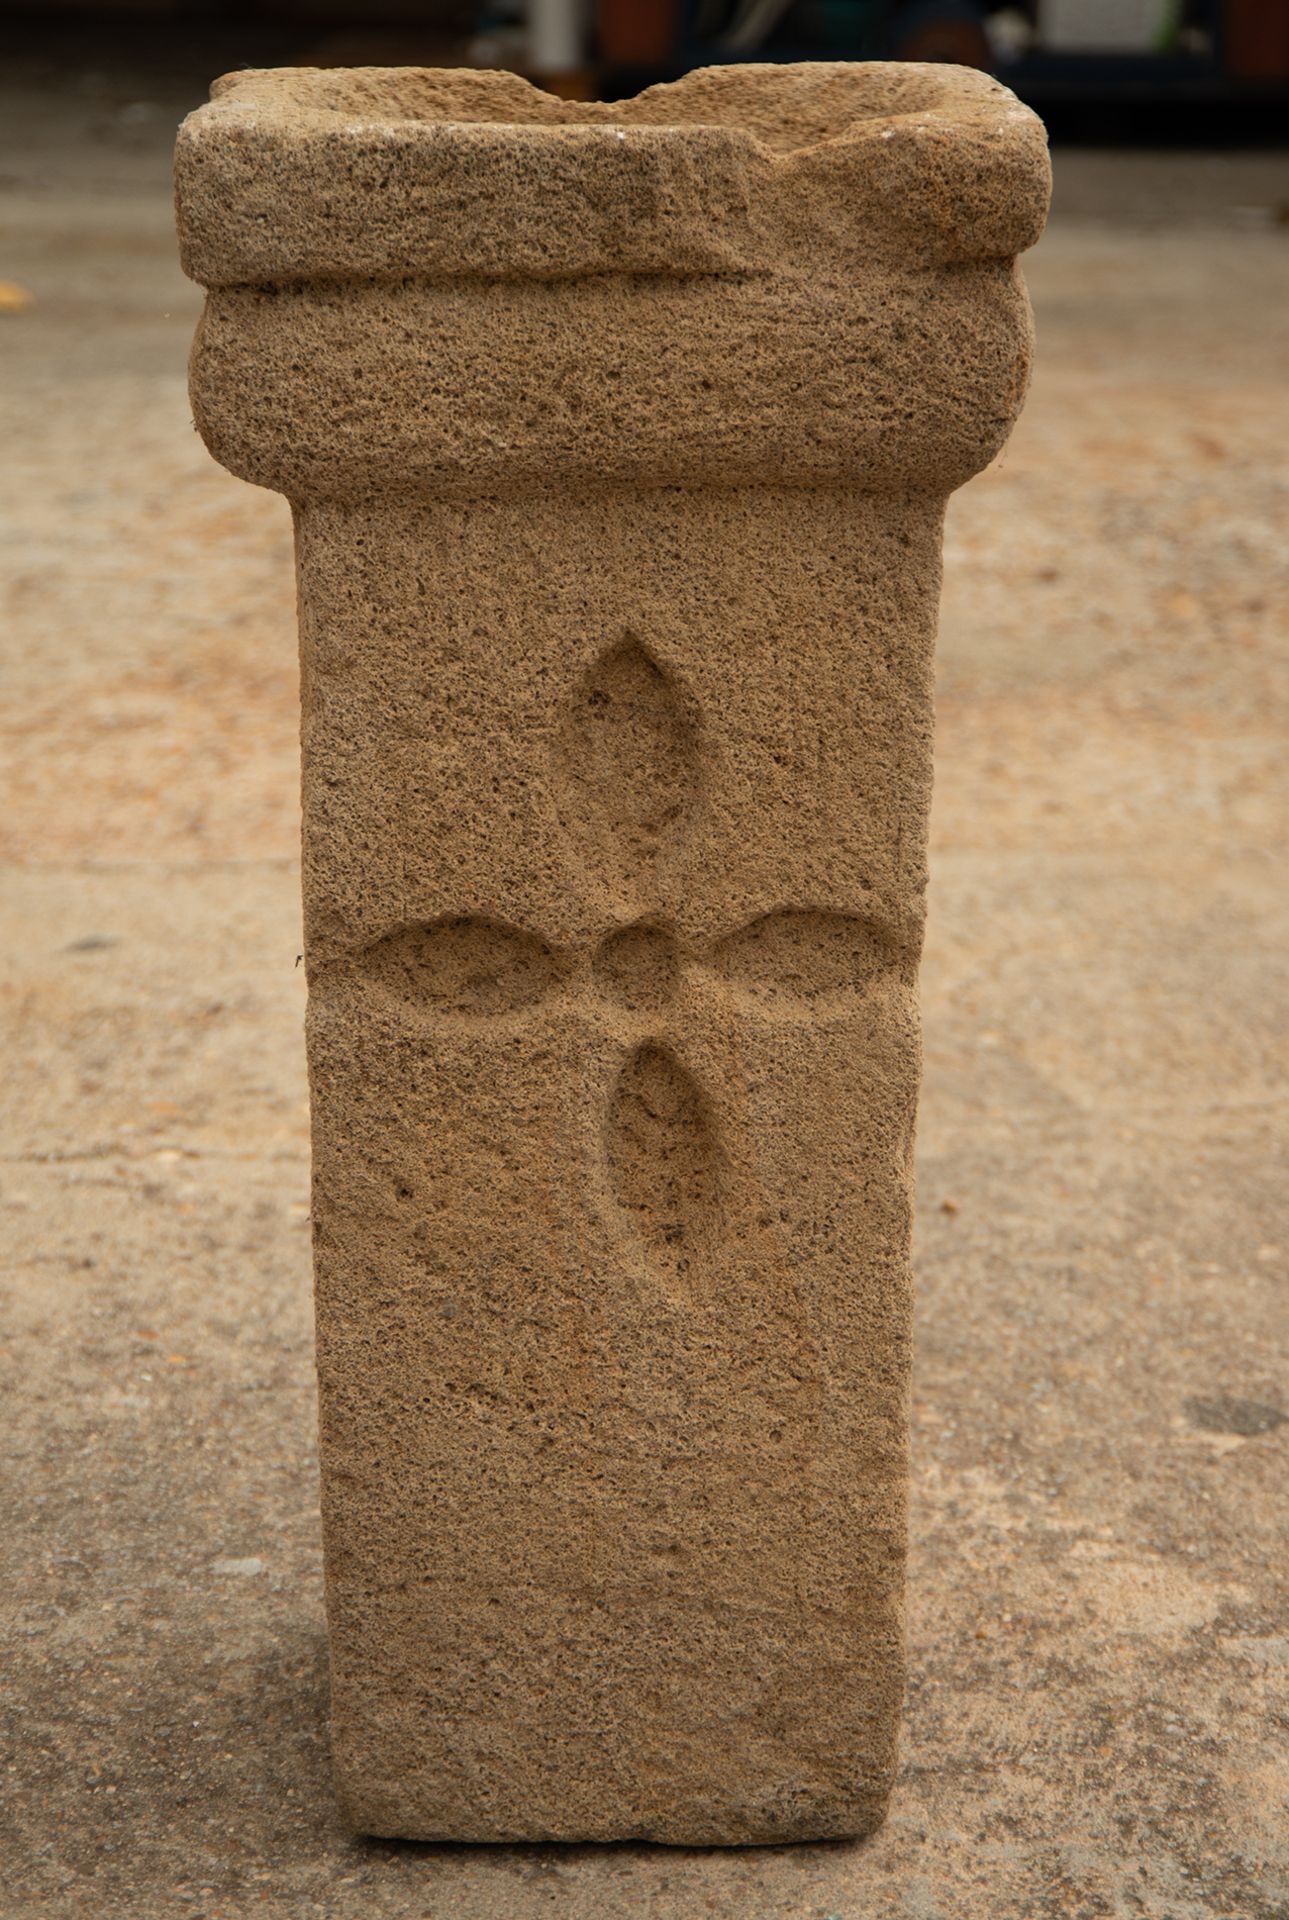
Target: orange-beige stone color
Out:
[619,439]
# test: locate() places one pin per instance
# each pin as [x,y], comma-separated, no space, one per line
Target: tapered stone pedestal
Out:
[618,439]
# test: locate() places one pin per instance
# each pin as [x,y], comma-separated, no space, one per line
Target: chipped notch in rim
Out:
[385,173]
[783,109]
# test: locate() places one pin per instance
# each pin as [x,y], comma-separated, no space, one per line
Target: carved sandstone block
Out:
[618,439]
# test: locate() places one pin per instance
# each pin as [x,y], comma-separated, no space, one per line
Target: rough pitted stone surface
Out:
[619,438]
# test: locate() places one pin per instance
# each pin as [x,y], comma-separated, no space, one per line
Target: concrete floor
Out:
[1100,1642]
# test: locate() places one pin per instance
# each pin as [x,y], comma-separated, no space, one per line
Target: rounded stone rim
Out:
[299,173]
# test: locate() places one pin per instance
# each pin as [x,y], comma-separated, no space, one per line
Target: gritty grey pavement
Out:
[1097,1719]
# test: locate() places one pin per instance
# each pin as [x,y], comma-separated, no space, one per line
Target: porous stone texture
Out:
[618,438]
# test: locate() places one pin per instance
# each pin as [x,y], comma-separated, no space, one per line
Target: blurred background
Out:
[1099,1632]
[1193,66]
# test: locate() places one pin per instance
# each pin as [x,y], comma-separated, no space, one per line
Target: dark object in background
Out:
[1256,39]
[952,30]
[1054,53]
[1186,72]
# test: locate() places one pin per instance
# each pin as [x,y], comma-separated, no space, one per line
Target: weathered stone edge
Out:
[271,189]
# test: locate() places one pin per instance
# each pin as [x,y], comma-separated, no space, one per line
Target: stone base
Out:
[613,904]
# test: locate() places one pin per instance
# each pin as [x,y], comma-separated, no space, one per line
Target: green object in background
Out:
[1107,26]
